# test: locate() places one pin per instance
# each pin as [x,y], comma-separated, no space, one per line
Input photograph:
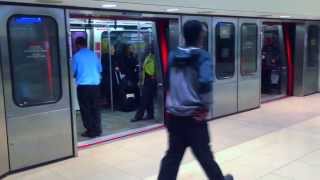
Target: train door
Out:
[306,59]
[274,63]
[225,87]
[4,158]
[36,86]
[311,65]
[207,43]
[249,65]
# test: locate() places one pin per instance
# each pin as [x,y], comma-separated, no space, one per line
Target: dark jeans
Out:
[88,96]
[185,132]
[149,91]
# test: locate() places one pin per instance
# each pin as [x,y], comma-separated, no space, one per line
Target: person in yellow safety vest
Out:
[149,85]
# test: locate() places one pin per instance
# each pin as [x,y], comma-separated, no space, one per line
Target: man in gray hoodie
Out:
[189,89]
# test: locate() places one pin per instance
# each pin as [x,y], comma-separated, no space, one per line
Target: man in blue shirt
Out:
[87,71]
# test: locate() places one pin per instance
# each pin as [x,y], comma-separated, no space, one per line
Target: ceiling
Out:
[288,9]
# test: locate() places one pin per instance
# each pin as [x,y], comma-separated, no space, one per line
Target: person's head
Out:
[194,33]
[81,43]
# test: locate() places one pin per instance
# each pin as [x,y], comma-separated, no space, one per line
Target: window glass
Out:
[313,46]
[34,60]
[225,50]
[248,61]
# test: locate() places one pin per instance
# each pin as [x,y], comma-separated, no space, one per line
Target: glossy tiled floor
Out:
[279,141]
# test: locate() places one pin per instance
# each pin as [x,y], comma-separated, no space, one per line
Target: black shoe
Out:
[90,134]
[85,134]
[228,177]
[135,120]
[93,135]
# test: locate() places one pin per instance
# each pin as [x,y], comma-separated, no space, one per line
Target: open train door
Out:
[36,86]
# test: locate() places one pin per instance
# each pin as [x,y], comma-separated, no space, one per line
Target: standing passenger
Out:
[149,86]
[87,71]
[187,104]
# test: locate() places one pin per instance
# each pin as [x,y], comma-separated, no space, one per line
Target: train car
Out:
[258,56]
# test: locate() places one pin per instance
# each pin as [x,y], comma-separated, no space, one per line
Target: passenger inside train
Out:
[126,89]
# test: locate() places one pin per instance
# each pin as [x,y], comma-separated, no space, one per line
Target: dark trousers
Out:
[147,99]
[186,132]
[88,96]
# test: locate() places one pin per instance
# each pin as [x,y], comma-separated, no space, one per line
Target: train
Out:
[256,60]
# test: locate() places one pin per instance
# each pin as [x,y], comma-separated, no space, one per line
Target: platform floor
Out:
[279,141]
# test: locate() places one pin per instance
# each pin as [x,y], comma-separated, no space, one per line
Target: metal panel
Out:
[4,159]
[73,89]
[43,133]
[311,74]
[225,90]
[306,77]
[299,59]
[249,85]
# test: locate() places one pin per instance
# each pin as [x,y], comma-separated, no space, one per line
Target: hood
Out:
[185,56]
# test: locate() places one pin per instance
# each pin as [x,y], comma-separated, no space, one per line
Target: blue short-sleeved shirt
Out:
[87,67]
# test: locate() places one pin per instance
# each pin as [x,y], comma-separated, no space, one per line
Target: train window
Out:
[249,46]
[34,54]
[225,50]
[313,46]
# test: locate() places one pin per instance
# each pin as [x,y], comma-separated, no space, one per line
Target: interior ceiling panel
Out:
[297,9]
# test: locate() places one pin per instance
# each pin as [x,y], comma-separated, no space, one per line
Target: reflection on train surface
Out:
[123,46]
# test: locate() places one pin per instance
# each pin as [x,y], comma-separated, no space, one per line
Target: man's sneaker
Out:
[228,177]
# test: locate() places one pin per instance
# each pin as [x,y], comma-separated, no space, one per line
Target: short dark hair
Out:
[191,31]
[81,41]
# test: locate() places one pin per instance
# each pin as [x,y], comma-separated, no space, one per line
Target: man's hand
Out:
[200,114]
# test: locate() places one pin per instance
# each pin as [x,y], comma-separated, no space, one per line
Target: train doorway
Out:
[274,62]
[123,45]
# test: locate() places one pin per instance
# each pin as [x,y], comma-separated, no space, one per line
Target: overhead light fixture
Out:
[285,16]
[109,5]
[172,9]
